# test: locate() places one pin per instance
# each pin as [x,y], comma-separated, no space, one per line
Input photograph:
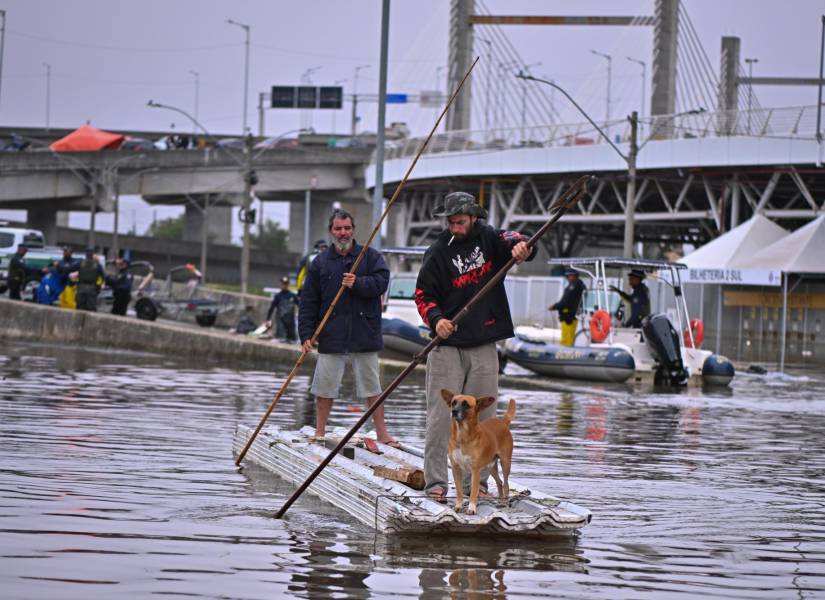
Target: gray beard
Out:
[343,246]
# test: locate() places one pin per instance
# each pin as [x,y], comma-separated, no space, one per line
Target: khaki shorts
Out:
[329,371]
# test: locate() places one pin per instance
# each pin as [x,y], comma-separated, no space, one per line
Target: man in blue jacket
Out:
[353,330]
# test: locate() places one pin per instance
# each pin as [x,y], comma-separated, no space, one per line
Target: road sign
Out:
[283,96]
[396,98]
[330,97]
[306,96]
[431,98]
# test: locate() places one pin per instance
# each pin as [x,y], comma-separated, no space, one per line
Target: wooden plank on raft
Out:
[411,477]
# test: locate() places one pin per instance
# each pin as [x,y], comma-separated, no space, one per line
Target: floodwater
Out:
[117,480]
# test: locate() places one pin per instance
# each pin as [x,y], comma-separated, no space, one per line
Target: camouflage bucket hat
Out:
[459,203]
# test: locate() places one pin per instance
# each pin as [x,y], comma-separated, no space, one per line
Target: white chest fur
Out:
[462,460]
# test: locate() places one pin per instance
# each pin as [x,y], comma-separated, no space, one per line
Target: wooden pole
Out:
[357,262]
[568,200]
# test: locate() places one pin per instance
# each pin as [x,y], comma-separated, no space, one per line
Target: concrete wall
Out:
[33,322]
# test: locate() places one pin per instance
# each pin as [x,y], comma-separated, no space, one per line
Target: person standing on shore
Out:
[67,265]
[19,272]
[283,305]
[466,255]
[353,331]
[121,284]
[90,278]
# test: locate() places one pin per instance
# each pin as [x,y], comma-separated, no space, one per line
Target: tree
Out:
[271,239]
[167,229]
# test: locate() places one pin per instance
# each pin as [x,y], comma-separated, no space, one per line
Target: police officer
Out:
[121,284]
[90,278]
[283,305]
[568,306]
[639,300]
[67,265]
[19,272]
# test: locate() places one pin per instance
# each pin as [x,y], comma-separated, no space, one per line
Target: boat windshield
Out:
[590,302]
[402,288]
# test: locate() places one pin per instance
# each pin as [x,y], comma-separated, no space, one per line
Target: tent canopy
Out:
[88,138]
[736,245]
[799,252]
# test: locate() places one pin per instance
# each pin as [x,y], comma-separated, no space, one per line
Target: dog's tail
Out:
[511,412]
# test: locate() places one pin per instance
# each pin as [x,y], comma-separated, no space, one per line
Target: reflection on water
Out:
[116,480]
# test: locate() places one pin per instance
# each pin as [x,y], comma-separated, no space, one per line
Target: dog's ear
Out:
[447,395]
[484,402]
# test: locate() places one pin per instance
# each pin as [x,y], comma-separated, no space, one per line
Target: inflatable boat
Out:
[403,337]
[658,352]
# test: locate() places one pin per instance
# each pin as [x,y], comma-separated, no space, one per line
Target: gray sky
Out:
[108,57]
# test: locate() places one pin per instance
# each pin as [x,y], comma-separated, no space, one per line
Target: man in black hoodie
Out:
[463,258]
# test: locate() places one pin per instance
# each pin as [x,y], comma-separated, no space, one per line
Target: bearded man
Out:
[353,331]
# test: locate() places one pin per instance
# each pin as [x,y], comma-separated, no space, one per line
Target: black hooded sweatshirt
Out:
[452,274]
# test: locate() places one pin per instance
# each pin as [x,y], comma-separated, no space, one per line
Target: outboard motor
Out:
[663,342]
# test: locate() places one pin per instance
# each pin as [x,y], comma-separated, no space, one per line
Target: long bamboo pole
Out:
[357,262]
[569,199]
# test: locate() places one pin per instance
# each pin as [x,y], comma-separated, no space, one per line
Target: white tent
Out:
[737,244]
[801,252]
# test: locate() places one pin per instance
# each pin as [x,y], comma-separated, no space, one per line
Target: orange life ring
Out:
[698,333]
[599,326]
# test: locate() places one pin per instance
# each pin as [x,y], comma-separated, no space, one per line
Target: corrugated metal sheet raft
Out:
[351,482]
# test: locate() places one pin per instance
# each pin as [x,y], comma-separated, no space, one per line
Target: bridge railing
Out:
[786,122]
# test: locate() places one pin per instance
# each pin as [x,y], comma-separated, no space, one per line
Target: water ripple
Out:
[117,479]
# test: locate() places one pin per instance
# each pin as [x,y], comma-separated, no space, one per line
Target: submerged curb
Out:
[25,321]
[49,324]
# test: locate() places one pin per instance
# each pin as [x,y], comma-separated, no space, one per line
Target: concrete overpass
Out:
[713,171]
[46,182]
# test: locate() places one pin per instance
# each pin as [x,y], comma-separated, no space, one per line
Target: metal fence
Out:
[784,122]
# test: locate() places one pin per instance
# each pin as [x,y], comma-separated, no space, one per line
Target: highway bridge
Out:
[709,172]
[46,182]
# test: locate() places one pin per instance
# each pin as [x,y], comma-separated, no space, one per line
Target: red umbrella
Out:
[88,138]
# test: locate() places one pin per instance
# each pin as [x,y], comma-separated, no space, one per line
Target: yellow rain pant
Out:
[68,297]
[568,332]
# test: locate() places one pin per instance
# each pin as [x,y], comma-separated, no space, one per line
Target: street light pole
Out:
[502,69]
[819,96]
[248,181]
[609,59]
[378,190]
[335,110]
[630,199]
[246,29]
[249,178]
[306,79]
[750,62]
[2,44]
[197,95]
[48,91]
[644,78]
[438,71]
[525,69]
[354,123]
[630,159]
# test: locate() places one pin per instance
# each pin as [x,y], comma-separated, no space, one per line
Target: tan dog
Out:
[474,446]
